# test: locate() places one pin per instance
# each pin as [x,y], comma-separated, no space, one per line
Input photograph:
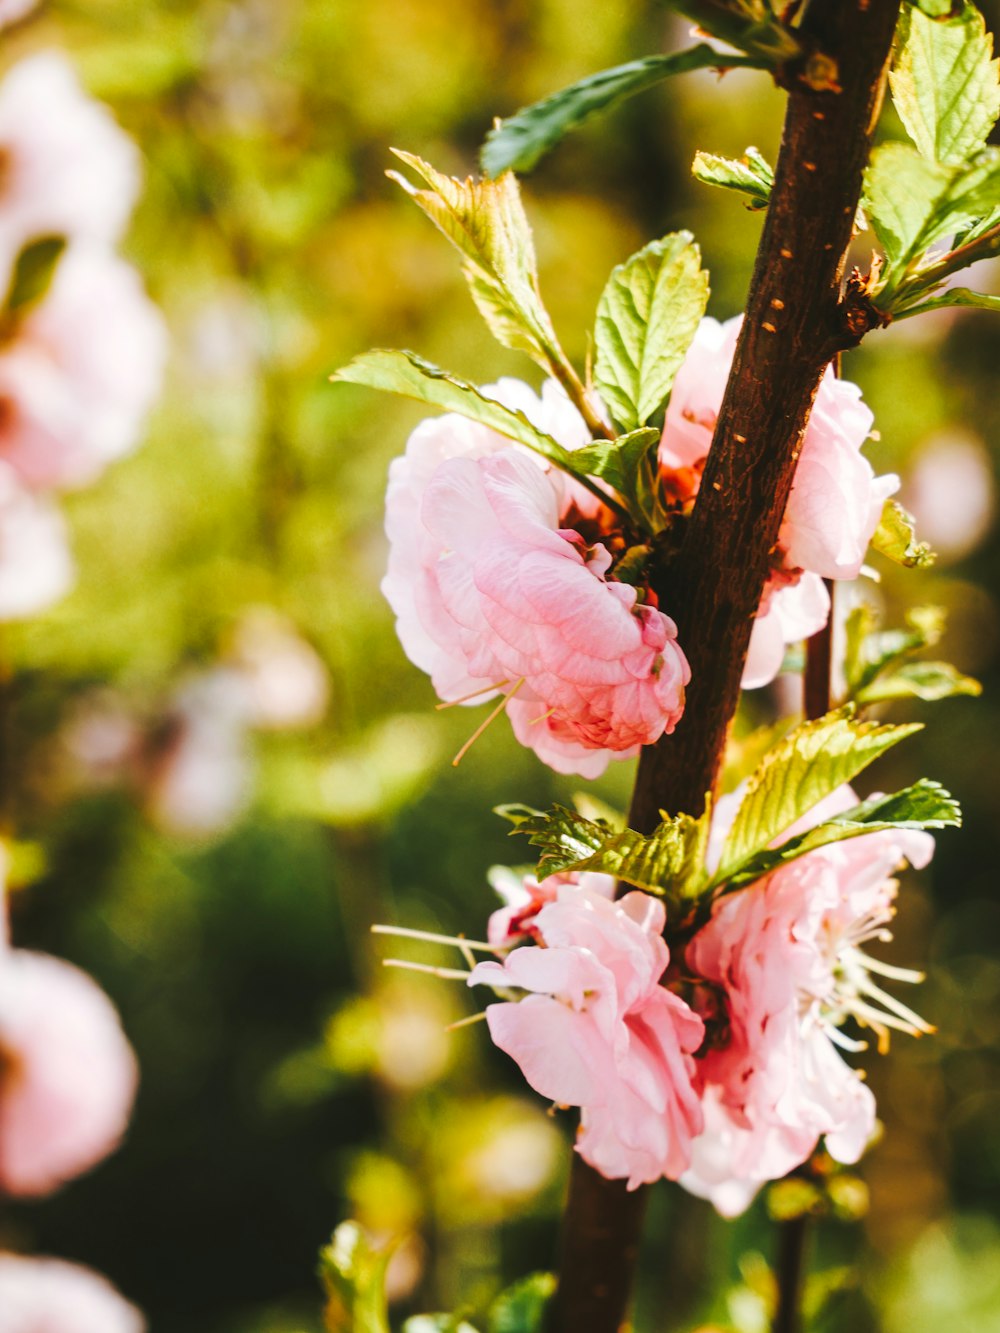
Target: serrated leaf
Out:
[954,296]
[751,174]
[928,681]
[410,375]
[896,538]
[522,1307]
[646,318]
[945,83]
[670,860]
[811,762]
[486,222]
[925,805]
[522,140]
[353,1274]
[33,272]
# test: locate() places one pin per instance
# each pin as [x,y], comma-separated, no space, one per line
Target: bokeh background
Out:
[227,771]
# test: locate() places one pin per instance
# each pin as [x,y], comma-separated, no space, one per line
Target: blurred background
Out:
[226,771]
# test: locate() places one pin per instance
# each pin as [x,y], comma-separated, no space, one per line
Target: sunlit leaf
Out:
[954,296]
[646,317]
[896,539]
[945,83]
[928,681]
[751,174]
[353,1273]
[870,651]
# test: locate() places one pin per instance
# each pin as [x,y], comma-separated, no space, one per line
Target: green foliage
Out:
[353,1274]
[872,653]
[808,764]
[752,174]
[647,315]
[521,141]
[749,25]
[34,269]
[522,1307]
[669,861]
[486,222]
[954,296]
[924,805]
[410,375]
[935,8]
[945,83]
[630,465]
[896,539]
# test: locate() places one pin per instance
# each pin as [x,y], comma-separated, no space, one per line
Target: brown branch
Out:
[791,1273]
[794,324]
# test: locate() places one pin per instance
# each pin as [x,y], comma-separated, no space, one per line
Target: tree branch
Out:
[712,588]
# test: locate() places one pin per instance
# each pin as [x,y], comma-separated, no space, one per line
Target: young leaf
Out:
[896,538]
[411,376]
[811,762]
[621,463]
[925,805]
[353,1274]
[870,651]
[752,174]
[646,317]
[945,83]
[522,1307]
[954,296]
[486,222]
[928,681]
[522,140]
[670,860]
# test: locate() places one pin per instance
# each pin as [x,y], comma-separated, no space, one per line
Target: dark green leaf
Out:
[751,174]
[34,269]
[646,317]
[896,539]
[522,1307]
[522,140]
[945,83]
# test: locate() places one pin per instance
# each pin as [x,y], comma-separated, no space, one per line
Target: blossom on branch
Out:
[786,957]
[596,1030]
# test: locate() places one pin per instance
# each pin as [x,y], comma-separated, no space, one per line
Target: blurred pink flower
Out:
[786,955]
[67,1073]
[81,372]
[52,1296]
[68,168]
[11,11]
[596,1030]
[35,564]
[287,684]
[834,506]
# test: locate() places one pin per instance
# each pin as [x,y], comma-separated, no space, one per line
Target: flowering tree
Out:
[614,560]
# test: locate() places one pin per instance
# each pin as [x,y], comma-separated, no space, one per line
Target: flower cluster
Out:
[724,1068]
[507,576]
[81,346]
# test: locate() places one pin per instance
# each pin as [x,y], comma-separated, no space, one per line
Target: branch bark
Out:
[795,323]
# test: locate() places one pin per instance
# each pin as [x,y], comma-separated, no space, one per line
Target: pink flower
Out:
[35,565]
[836,499]
[68,1074]
[68,169]
[51,1296]
[11,11]
[81,372]
[786,955]
[492,593]
[524,897]
[596,1030]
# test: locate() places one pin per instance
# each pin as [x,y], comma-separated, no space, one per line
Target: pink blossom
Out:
[52,1296]
[68,1074]
[68,169]
[35,565]
[836,499]
[596,1030]
[786,955]
[12,11]
[81,371]
[524,896]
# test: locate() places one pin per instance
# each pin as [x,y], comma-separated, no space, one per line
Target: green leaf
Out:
[486,222]
[954,296]
[353,1274]
[896,539]
[935,8]
[808,764]
[870,651]
[522,1307]
[929,681]
[522,140]
[925,805]
[945,83]
[34,269]
[749,25]
[670,860]
[631,465]
[410,375]
[646,317]
[752,174]
[912,203]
